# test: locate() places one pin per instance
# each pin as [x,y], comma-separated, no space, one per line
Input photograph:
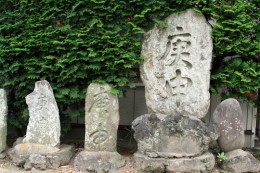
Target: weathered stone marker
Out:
[40,147]
[176,75]
[101,121]
[3,117]
[176,66]
[228,118]
[44,121]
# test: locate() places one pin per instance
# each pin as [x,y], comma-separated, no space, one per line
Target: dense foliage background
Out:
[73,43]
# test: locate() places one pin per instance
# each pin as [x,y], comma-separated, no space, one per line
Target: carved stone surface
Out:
[176,67]
[44,121]
[101,118]
[228,118]
[45,158]
[100,162]
[3,117]
[240,161]
[172,136]
[200,164]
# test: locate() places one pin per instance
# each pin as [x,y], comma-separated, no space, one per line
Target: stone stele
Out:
[44,121]
[228,118]
[176,66]
[101,118]
[3,123]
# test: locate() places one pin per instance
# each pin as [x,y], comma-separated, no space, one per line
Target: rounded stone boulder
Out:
[172,136]
[228,118]
[240,161]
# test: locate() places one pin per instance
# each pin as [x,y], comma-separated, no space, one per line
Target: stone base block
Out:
[171,136]
[99,162]
[240,161]
[28,157]
[200,164]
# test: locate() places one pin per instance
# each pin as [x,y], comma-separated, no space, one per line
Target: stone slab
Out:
[172,135]
[200,164]
[228,118]
[40,160]
[240,161]
[176,66]
[44,121]
[3,119]
[101,118]
[31,148]
[100,162]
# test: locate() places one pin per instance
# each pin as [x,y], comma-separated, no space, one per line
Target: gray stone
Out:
[101,118]
[44,121]
[98,162]
[172,136]
[19,140]
[37,161]
[3,117]
[228,118]
[200,164]
[2,155]
[176,66]
[40,160]
[240,161]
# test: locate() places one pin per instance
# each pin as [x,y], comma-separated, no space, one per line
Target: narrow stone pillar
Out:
[3,120]
[101,121]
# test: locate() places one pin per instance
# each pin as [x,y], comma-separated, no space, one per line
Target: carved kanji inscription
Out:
[178,64]
[101,119]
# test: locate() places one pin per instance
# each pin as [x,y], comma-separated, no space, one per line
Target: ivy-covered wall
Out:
[73,43]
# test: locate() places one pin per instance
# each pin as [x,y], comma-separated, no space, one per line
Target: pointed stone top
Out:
[44,121]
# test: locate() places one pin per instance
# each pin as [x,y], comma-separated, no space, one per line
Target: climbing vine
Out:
[73,43]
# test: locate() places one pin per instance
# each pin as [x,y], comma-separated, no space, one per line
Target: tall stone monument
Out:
[40,147]
[101,124]
[176,75]
[3,122]
[176,66]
